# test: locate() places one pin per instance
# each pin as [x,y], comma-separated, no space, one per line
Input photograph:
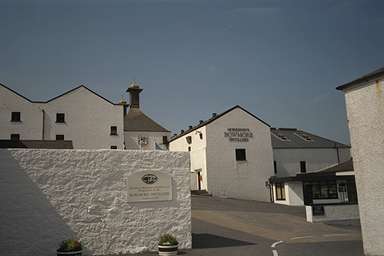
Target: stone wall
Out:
[50,195]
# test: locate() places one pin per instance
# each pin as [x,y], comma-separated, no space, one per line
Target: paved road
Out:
[243,228]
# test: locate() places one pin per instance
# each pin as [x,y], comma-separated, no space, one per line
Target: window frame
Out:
[240,154]
[280,187]
[59,136]
[113,130]
[60,120]
[303,167]
[15,114]
[15,135]
[321,190]
[113,147]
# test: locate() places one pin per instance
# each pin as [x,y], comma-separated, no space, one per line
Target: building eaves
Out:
[213,119]
[37,144]
[364,79]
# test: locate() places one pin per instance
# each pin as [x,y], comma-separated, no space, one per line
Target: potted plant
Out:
[168,245]
[70,247]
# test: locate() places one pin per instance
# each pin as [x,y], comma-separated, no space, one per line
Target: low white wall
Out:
[50,195]
[334,212]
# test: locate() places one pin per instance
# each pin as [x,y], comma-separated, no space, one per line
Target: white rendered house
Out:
[79,115]
[297,153]
[364,99]
[231,154]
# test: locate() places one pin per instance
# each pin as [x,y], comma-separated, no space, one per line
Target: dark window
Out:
[59,137]
[201,135]
[189,148]
[15,137]
[113,130]
[240,154]
[60,118]
[165,139]
[113,147]
[280,191]
[325,190]
[274,167]
[15,117]
[303,167]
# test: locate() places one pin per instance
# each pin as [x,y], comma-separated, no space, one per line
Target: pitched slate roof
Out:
[41,144]
[341,167]
[136,120]
[366,78]
[294,138]
[215,118]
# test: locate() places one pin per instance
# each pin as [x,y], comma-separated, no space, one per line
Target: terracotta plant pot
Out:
[74,253]
[168,250]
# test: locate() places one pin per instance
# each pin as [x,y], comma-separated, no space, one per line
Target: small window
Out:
[113,130]
[165,140]
[201,135]
[275,167]
[280,191]
[59,137]
[189,149]
[113,147]
[240,154]
[60,118]
[15,117]
[15,137]
[303,167]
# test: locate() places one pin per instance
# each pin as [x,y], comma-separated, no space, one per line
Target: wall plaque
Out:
[238,134]
[149,186]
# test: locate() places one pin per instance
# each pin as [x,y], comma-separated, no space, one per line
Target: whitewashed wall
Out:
[131,139]
[31,123]
[288,160]
[365,110]
[198,154]
[50,195]
[334,212]
[88,119]
[293,193]
[239,179]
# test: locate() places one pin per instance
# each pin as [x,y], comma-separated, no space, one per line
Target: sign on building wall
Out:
[238,134]
[149,186]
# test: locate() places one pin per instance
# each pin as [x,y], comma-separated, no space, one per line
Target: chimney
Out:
[125,106]
[134,91]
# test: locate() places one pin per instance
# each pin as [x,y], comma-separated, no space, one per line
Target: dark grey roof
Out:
[74,89]
[342,167]
[136,120]
[294,138]
[366,78]
[215,118]
[40,144]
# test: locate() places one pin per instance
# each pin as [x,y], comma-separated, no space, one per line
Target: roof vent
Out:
[214,114]
[175,134]
[190,127]
[201,121]
[182,131]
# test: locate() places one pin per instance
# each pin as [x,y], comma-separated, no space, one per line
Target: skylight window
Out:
[281,136]
[304,136]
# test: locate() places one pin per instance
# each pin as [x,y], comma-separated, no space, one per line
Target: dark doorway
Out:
[307,193]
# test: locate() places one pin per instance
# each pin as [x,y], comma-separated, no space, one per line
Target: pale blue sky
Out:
[280,60]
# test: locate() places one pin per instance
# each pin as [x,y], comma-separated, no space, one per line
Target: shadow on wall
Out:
[30,225]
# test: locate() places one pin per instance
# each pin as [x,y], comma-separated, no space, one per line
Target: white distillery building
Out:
[231,154]
[365,111]
[80,115]
[140,131]
[297,152]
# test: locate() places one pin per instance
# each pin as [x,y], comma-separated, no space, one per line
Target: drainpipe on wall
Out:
[43,128]
[338,154]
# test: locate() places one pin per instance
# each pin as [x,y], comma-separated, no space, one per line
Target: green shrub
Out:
[70,245]
[168,239]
